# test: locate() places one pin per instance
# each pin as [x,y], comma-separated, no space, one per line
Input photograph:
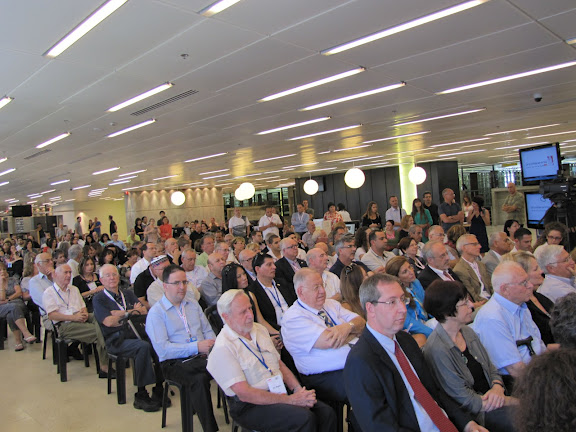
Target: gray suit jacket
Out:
[490,260]
[468,277]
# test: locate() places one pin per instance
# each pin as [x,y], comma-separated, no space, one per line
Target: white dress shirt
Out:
[556,287]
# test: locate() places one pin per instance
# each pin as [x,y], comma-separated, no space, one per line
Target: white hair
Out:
[224,304]
[547,254]
[462,241]
[504,274]
[284,243]
[494,238]
[104,267]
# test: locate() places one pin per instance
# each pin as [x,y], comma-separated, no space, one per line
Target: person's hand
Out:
[205,346]
[303,398]
[380,269]
[493,398]
[277,341]
[140,308]
[472,426]
[338,335]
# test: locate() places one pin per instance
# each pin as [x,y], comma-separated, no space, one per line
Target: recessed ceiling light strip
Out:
[354,96]
[278,129]
[217,7]
[324,132]
[274,158]
[521,130]
[106,170]
[396,137]
[53,140]
[204,157]
[131,128]
[140,97]
[439,117]
[5,101]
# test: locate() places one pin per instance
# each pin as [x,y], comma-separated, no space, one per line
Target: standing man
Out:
[300,220]
[307,209]
[386,377]
[269,223]
[258,389]
[113,226]
[78,226]
[238,225]
[449,211]
[430,206]
[182,338]
[97,226]
[514,204]
[395,213]
[110,306]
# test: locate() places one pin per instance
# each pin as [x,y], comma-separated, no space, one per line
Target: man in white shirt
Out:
[395,212]
[239,225]
[75,256]
[318,333]
[500,244]
[65,307]
[559,268]
[269,223]
[195,274]
[43,280]
[148,253]
[318,261]
[377,256]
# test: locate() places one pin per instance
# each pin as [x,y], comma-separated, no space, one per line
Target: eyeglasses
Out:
[178,283]
[549,237]
[291,247]
[350,246]
[395,301]
[472,244]
[524,283]
[466,303]
[564,261]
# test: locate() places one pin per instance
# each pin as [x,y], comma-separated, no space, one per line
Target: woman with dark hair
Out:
[361,241]
[555,233]
[460,362]
[372,218]
[87,281]
[51,244]
[510,227]
[351,278]
[344,213]
[416,316]
[422,217]
[332,215]
[409,248]
[165,229]
[139,228]
[106,257]
[479,219]
[104,239]
[545,392]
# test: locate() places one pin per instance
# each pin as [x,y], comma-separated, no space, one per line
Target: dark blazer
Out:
[427,276]
[285,272]
[377,392]
[266,307]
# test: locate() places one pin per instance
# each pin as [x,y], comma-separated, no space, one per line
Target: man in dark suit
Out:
[289,264]
[386,378]
[438,266]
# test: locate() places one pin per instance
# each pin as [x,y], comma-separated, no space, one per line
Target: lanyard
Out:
[275,295]
[325,311]
[260,359]
[182,314]
[121,306]
[65,302]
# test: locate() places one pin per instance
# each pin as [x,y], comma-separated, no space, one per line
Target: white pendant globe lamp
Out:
[178,198]
[417,175]
[239,194]
[248,190]
[311,187]
[354,178]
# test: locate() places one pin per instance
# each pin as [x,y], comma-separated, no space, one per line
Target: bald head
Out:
[63,275]
[317,259]
[216,263]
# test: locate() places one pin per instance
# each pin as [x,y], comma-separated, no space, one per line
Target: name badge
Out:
[276,385]
[92,286]
[192,339]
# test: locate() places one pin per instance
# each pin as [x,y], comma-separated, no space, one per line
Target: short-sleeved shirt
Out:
[103,305]
[449,210]
[395,214]
[331,284]
[238,225]
[516,200]
[196,276]
[231,361]
[499,324]
[266,220]
[301,328]
[374,261]
[66,302]
[142,282]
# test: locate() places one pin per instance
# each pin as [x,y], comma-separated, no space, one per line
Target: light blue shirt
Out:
[299,221]
[424,420]
[168,333]
[118,243]
[37,286]
[499,324]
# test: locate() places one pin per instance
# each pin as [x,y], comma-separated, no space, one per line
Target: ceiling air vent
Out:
[85,158]
[165,102]
[40,153]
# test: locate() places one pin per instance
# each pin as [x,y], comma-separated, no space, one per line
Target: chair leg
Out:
[120,379]
[44,344]
[3,330]
[164,403]
[55,350]
[96,358]
[85,352]
[110,361]
[62,347]
[224,405]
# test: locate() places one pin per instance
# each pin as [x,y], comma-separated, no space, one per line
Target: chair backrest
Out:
[214,318]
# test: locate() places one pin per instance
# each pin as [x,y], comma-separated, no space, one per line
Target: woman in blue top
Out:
[421,217]
[416,316]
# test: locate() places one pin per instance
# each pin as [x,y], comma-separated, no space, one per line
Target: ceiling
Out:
[256,48]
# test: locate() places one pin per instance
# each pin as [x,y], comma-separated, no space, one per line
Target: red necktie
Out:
[448,275]
[422,396]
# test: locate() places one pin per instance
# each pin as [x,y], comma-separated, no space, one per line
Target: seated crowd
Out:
[413,322]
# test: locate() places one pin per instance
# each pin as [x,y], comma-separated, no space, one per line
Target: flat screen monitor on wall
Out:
[22,211]
[536,208]
[540,163]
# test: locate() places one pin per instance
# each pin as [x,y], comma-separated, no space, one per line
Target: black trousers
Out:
[192,374]
[329,386]
[142,353]
[283,417]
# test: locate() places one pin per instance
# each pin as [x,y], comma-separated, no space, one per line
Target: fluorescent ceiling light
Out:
[10,199]
[14,201]
[31,202]
[354,96]
[520,130]
[53,140]
[518,146]
[461,153]
[81,187]
[359,159]
[133,172]
[216,176]
[138,98]
[5,101]
[460,142]
[571,41]
[352,148]
[267,178]
[313,84]
[277,171]
[55,198]
[439,117]
[325,152]
[323,169]
[324,132]
[4,159]
[277,180]
[84,27]
[119,182]
[166,177]
[225,184]
[402,27]
[205,157]
[566,141]
[301,165]
[131,128]
[106,170]
[59,182]
[372,164]
[274,158]
[48,191]
[214,172]
[321,119]
[4,183]
[8,171]
[99,189]
[395,137]
[509,77]
[125,178]
[141,186]
[217,7]
[71,199]
[552,134]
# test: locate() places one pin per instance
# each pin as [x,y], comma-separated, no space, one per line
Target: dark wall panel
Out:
[440,175]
